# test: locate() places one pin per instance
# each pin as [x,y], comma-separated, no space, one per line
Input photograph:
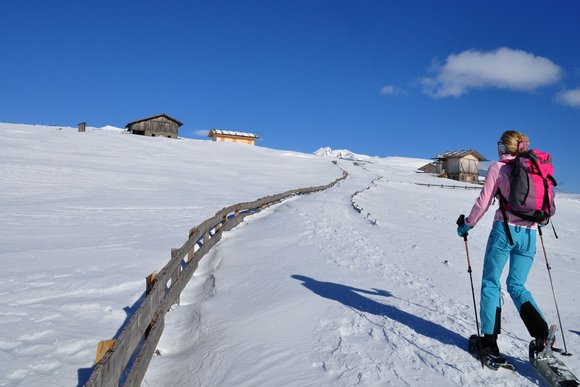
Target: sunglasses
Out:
[502,148]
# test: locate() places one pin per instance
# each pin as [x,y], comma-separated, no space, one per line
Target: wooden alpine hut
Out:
[160,125]
[460,165]
[231,136]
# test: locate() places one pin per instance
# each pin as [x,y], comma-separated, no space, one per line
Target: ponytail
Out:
[522,145]
[515,142]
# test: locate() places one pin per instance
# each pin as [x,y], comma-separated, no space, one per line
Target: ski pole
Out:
[460,221]
[565,353]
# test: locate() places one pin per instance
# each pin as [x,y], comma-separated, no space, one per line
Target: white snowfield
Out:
[309,292]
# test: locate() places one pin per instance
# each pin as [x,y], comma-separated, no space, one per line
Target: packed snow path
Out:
[310,292]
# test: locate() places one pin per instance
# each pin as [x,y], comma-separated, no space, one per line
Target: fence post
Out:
[102,348]
[192,251]
[175,275]
[150,281]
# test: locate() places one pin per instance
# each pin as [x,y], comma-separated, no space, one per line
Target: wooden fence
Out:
[358,208]
[449,186]
[128,356]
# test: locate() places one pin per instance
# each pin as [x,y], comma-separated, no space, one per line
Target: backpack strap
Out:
[502,203]
[546,203]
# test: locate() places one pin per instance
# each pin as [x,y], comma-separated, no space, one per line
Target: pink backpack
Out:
[532,185]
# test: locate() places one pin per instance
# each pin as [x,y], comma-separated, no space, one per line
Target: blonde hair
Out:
[515,142]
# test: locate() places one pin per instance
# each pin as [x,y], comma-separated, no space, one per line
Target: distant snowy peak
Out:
[111,128]
[340,153]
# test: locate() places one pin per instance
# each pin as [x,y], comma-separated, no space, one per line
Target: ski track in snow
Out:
[405,334]
[399,327]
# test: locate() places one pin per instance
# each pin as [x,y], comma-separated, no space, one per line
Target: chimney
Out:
[82,127]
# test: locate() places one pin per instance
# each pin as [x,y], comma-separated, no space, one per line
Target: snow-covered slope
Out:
[308,292]
[314,293]
[84,217]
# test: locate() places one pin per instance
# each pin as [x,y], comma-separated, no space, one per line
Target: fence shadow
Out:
[130,311]
[83,375]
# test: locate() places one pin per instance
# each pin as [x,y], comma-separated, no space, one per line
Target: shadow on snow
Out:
[351,297]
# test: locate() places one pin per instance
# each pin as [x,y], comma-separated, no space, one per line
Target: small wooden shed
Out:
[460,165]
[231,136]
[160,125]
[429,168]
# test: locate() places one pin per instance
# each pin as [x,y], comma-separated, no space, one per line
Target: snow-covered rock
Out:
[340,153]
[111,128]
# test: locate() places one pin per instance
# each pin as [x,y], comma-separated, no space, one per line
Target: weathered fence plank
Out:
[187,273]
[108,371]
[449,186]
[144,358]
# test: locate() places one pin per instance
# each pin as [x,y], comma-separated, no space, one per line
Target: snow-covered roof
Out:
[459,154]
[231,133]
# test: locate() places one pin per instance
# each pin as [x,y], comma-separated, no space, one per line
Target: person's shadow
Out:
[352,298]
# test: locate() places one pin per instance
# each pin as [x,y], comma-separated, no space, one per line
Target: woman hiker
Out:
[499,250]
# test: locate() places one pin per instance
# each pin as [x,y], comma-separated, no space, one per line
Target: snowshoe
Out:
[487,357]
[550,368]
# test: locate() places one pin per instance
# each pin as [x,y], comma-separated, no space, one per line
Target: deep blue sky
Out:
[303,74]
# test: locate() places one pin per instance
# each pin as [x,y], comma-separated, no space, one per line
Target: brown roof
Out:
[152,117]
[459,154]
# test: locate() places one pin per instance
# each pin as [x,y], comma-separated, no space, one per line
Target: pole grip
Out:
[461,222]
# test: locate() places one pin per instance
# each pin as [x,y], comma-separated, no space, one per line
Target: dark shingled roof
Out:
[152,117]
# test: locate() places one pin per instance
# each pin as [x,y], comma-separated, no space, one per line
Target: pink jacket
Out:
[497,178]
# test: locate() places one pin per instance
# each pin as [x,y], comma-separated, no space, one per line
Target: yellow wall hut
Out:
[220,135]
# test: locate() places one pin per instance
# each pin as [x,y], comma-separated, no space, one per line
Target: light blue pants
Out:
[521,256]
